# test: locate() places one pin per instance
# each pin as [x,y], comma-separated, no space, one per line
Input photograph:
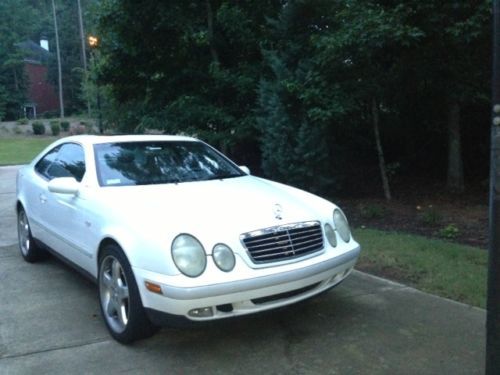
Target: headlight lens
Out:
[188,255]
[330,235]
[341,225]
[223,257]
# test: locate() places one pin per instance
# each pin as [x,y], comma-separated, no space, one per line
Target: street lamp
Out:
[93,41]
[94,44]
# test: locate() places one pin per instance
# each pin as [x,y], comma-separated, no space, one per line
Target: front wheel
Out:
[119,298]
[29,250]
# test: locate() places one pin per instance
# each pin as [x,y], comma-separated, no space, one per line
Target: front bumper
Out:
[247,295]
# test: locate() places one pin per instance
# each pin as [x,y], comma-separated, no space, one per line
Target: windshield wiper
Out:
[222,176]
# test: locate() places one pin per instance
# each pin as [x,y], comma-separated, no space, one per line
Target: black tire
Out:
[119,298]
[27,245]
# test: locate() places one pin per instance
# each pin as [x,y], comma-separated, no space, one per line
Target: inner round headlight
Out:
[223,257]
[341,225]
[330,235]
[188,255]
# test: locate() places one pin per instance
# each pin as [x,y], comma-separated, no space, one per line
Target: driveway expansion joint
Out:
[71,346]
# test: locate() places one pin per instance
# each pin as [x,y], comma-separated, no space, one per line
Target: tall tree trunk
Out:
[210,24]
[380,151]
[59,70]
[16,80]
[455,181]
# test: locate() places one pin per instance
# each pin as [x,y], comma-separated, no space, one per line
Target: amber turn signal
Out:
[155,288]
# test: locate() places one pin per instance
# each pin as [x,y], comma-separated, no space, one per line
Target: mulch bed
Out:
[462,219]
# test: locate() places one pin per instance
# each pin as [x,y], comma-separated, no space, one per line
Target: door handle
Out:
[43,199]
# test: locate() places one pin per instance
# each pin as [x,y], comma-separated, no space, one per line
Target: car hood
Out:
[212,209]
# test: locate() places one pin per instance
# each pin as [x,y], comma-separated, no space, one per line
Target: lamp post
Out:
[94,44]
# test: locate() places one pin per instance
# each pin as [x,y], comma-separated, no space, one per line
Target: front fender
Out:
[141,252]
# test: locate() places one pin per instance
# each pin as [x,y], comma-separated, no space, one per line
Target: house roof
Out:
[33,52]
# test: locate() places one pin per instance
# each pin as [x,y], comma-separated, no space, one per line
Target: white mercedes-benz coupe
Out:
[169,227]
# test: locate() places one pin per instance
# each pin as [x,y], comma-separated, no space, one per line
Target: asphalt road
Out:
[50,324]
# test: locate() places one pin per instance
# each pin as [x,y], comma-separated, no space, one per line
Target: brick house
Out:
[41,95]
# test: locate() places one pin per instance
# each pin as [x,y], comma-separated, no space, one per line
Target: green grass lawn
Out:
[21,150]
[443,268]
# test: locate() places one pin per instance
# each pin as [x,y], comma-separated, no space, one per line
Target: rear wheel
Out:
[29,250]
[119,298]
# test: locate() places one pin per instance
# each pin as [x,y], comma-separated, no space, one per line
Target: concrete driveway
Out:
[8,231]
[50,324]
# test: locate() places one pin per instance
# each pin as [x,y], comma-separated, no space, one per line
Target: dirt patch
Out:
[459,219]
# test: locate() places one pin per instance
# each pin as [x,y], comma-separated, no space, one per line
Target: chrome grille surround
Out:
[283,242]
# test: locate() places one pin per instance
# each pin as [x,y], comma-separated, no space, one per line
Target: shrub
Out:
[55,127]
[431,216]
[79,129]
[23,121]
[449,232]
[372,211]
[38,127]
[65,125]
[50,114]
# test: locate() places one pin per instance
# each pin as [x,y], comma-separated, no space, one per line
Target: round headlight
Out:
[341,225]
[188,255]
[330,235]
[223,257]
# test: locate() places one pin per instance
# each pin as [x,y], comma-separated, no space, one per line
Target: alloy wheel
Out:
[114,294]
[23,231]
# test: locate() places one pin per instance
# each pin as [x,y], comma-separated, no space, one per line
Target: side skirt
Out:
[68,262]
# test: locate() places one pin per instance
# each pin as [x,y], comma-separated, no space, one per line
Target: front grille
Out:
[283,242]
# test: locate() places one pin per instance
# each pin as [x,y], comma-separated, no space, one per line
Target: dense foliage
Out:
[305,82]
[322,94]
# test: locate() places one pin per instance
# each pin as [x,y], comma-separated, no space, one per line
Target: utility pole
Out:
[59,71]
[493,301]
[82,35]
[84,53]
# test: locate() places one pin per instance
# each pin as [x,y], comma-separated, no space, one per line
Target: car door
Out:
[64,214]
[35,188]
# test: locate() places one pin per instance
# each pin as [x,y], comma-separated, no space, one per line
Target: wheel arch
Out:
[137,325]
[104,242]
[117,234]
[19,205]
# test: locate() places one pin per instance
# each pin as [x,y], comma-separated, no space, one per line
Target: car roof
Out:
[96,139]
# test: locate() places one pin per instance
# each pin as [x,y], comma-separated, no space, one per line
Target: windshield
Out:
[163,162]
